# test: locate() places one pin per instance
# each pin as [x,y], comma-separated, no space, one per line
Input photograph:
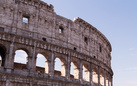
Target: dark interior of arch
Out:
[2,54]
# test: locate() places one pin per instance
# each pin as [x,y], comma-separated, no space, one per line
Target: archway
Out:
[41,63]
[86,72]
[59,67]
[95,75]
[107,82]
[102,78]
[20,59]
[110,81]
[0,60]
[2,55]
[74,71]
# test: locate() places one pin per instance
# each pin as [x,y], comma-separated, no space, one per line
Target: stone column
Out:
[111,80]
[32,63]
[33,59]
[98,76]
[30,84]
[68,67]
[29,63]
[9,61]
[81,71]
[108,79]
[104,78]
[8,83]
[51,64]
[91,75]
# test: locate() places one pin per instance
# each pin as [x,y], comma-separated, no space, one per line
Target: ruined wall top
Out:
[86,24]
[36,3]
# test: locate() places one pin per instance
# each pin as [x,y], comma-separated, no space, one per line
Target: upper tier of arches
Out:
[38,21]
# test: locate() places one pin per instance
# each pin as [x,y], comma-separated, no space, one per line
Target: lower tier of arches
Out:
[88,71]
[36,79]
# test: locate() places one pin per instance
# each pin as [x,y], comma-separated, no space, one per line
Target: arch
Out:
[102,78]
[110,80]
[0,60]
[2,55]
[20,59]
[95,75]
[61,29]
[86,40]
[86,72]
[107,82]
[74,70]
[59,67]
[83,71]
[42,63]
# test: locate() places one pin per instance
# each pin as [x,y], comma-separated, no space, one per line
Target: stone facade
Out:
[34,27]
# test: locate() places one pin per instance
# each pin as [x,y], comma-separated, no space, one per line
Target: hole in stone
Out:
[94,56]
[44,39]
[61,30]
[86,40]
[75,48]
[25,19]
[2,29]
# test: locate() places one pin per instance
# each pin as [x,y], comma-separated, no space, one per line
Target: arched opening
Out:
[20,59]
[110,81]
[0,60]
[83,71]
[61,29]
[2,55]
[86,72]
[74,71]
[102,78]
[59,67]
[86,40]
[107,80]
[95,75]
[41,63]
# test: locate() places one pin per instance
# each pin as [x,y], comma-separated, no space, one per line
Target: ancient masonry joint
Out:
[33,27]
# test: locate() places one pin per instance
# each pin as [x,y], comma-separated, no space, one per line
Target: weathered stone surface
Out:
[33,26]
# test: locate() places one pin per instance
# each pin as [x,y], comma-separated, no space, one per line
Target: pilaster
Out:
[68,67]
[9,59]
[81,71]
[98,76]
[91,77]
[51,64]
[104,78]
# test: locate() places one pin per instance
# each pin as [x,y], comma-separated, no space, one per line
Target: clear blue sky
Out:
[117,20]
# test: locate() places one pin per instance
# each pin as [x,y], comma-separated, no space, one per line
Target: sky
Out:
[117,20]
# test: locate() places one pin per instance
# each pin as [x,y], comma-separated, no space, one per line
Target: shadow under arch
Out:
[2,55]
[102,78]
[95,75]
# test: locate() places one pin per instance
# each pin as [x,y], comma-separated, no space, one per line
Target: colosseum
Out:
[33,27]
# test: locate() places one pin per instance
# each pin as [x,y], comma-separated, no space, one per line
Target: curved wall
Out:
[33,26]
